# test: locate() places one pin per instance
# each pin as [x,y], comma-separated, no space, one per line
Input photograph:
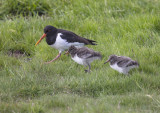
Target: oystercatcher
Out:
[84,56]
[121,63]
[62,39]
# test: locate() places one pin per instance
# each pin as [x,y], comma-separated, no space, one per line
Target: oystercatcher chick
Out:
[62,39]
[121,63]
[84,56]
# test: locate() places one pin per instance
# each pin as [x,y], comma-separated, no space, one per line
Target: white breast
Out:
[62,44]
[116,67]
[78,60]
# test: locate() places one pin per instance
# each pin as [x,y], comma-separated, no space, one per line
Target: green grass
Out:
[122,27]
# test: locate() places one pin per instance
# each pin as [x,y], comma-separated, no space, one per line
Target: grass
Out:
[122,27]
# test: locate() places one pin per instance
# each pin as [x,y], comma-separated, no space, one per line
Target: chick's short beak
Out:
[106,61]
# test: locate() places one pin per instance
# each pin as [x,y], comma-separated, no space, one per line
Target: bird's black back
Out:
[72,37]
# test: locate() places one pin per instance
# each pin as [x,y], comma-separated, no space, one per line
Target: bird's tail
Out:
[91,42]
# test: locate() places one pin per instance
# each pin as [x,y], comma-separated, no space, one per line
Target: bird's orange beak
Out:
[106,61]
[43,36]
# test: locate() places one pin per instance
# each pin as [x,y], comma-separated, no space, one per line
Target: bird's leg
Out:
[89,68]
[54,59]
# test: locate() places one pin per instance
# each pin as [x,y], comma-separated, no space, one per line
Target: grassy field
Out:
[122,27]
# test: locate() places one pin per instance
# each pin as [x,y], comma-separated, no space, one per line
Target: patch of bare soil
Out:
[16,53]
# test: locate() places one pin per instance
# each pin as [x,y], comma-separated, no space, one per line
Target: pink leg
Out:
[54,59]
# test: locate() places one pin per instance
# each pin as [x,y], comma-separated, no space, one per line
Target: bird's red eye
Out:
[48,31]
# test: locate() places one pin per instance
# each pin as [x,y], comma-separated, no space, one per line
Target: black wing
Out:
[72,37]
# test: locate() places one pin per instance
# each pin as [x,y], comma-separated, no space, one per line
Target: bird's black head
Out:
[49,31]
[49,28]
[112,58]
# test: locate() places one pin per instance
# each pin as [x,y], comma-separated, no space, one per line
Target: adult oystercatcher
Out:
[62,39]
[84,56]
[121,63]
